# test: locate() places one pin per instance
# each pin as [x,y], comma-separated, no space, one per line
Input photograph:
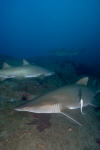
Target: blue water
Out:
[33,27]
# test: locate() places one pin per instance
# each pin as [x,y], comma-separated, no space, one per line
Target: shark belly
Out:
[47,109]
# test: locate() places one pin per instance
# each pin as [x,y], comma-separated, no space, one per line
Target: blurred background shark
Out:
[25,71]
[68,52]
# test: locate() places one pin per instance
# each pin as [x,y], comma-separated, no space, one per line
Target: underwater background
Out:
[62,36]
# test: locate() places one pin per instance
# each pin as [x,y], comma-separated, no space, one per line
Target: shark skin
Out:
[70,97]
[25,71]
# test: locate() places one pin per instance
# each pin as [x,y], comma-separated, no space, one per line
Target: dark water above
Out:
[30,28]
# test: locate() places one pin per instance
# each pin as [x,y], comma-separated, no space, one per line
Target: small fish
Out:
[25,71]
[70,97]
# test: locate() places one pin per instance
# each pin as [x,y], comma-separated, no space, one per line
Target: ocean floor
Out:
[28,131]
[25,131]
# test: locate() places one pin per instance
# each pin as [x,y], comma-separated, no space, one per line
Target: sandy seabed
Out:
[62,134]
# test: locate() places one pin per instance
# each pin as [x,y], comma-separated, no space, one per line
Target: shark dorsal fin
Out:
[6,66]
[25,62]
[83,81]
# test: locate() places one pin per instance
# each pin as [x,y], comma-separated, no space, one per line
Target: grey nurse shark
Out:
[25,71]
[70,97]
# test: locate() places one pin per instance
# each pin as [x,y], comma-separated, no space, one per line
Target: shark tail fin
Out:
[71,118]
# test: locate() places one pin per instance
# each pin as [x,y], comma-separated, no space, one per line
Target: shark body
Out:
[25,71]
[68,53]
[68,97]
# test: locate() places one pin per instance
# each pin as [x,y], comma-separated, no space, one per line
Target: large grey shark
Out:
[69,97]
[25,71]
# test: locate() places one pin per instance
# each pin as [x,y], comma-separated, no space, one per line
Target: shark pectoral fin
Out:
[81,103]
[71,118]
[92,105]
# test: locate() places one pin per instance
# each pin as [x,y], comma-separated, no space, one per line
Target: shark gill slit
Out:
[56,108]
